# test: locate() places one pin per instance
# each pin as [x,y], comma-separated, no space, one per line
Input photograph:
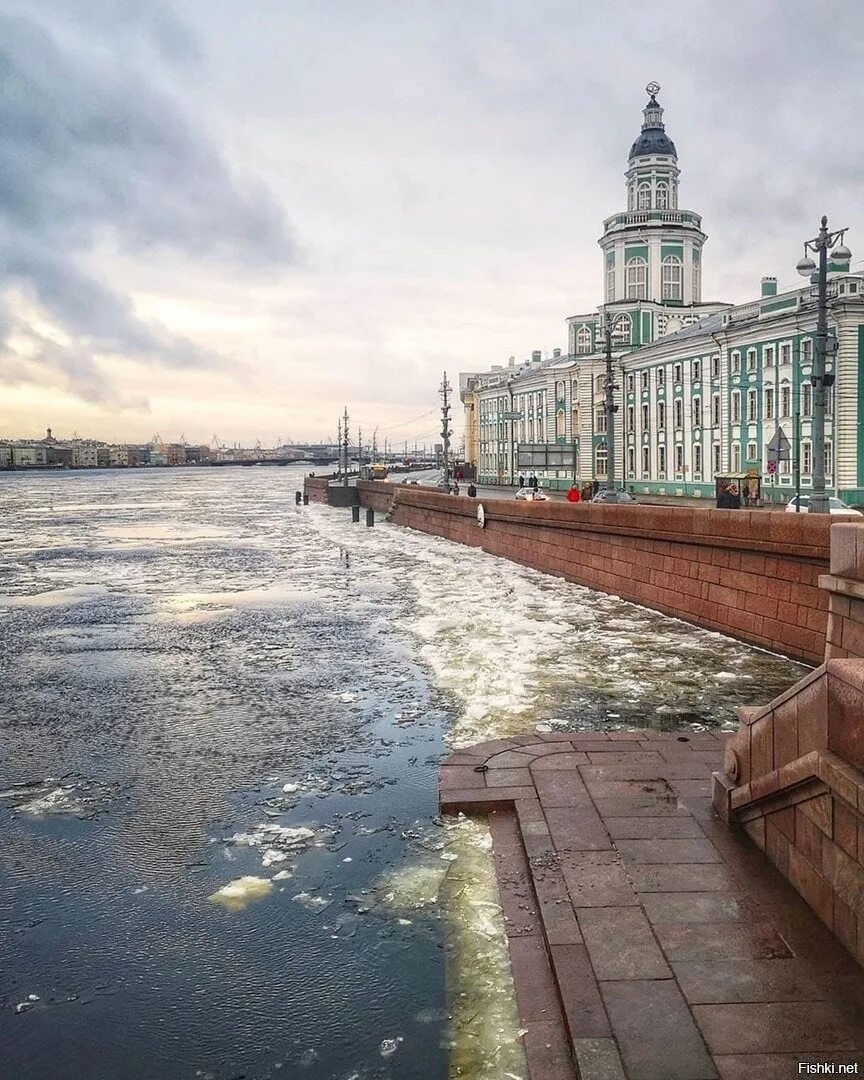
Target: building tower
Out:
[652,252]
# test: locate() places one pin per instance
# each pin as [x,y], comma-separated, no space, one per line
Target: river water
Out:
[220,721]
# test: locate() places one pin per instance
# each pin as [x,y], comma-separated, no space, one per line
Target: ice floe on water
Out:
[278,843]
[240,892]
[58,796]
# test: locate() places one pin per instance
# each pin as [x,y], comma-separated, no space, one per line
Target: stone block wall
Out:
[316,487]
[376,494]
[754,576]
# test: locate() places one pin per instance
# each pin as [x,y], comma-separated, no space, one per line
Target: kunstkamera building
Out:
[704,390]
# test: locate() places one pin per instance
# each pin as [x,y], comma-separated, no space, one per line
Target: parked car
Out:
[528,494]
[613,495]
[835,506]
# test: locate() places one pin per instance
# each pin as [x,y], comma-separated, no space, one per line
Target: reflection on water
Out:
[220,725]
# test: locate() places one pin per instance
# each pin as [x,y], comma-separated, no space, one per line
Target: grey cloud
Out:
[94,152]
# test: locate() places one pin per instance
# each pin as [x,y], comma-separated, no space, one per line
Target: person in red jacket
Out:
[573,495]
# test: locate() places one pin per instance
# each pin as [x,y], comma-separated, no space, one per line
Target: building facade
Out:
[703,390]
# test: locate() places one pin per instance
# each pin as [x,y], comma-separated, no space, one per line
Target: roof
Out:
[653,141]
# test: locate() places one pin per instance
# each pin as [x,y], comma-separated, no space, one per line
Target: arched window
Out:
[671,278]
[695,297]
[610,281]
[622,330]
[560,424]
[644,196]
[600,385]
[583,340]
[662,196]
[601,459]
[637,279]
[631,197]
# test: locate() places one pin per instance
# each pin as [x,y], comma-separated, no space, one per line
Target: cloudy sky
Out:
[235,216]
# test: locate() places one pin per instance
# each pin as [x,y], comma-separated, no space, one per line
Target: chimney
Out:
[769,286]
[556,353]
[511,362]
[536,356]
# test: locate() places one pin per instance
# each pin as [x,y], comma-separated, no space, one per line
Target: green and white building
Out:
[704,389]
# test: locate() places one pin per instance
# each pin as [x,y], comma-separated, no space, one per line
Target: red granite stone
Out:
[536,995]
[646,828]
[621,945]
[496,778]
[583,1008]
[460,776]
[680,877]
[577,828]
[716,941]
[727,981]
[778,1066]
[594,879]
[679,850]
[681,907]
[772,1027]
[558,761]
[561,788]
[598,1059]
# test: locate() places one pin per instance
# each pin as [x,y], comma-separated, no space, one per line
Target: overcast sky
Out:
[235,216]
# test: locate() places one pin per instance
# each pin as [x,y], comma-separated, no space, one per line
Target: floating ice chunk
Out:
[289,789]
[543,729]
[314,903]
[390,1046]
[140,889]
[283,875]
[348,859]
[30,1001]
[242,891]
[448,856]
[725,676]
[345,697]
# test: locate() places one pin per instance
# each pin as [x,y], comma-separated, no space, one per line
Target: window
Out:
[600,424]
[583,340]
[694,299]
[644,193]
[807,399]
[696,371]
[768,356]
[697,460]
[661,376]
[768,405]
[785,400]
[646,421]
[751,359]
[736,457]
[785,354]
[662,196]
[736,362]
[736,407]
[677,373]
[560,424]
[636,279]
[661,415]
[678,413]
[679,458]
[601,459]
[631,418]
[600,385]
[715,453]
[661,459]
[631,460]
[559,391]
[807,351]
[631,197]
[621,330]
[670,278]
[751,405]
[631,383]
[643,378]
[697,412]
[610,281]
[806,458]
[752,451]
[646,461]
[828,461]
[715,367]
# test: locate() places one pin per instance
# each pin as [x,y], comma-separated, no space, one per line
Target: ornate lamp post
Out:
[824,348]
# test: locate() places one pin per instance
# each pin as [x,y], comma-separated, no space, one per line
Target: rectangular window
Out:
[601,420]
[751,405]
[644,380]
[646,461]
[602,459]
[697,460]
[631,383]
[661,376]
[751,359]
[785,400]
[736,457]
[736,407]
[679,458]
[828,459]
[806,458]
[768,356]
[631,460]
[715,452]
[631,418]
[677,373]
[678,412]
[807,399]
[696,372]
[715,367]
[736,362]
[751,452]
[785,354]
[768,408]
[661,416]
[715,410]
[661,459]
[646,422]
[807,351]
[697,412]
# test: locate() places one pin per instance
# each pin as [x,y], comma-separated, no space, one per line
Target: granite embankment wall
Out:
[751,575]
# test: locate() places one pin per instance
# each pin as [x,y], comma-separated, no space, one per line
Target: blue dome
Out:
[653,141]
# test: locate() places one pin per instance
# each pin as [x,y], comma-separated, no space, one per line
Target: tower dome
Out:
[653,139]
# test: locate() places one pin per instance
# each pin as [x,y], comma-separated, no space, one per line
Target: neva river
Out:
[220,722]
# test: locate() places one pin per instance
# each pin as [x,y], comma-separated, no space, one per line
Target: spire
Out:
[653,140]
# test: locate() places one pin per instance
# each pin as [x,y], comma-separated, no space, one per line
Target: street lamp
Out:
[824,347]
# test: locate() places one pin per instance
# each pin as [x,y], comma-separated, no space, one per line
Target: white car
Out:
[530,495]
[835,506]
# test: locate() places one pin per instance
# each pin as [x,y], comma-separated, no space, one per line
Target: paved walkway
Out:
[648,941]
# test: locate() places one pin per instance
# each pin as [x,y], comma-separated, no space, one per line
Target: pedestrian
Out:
[534,481]
[455,487]
[521,480]
[573,495]
[736,498]
[595,487]
[472,491]
[726,499]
